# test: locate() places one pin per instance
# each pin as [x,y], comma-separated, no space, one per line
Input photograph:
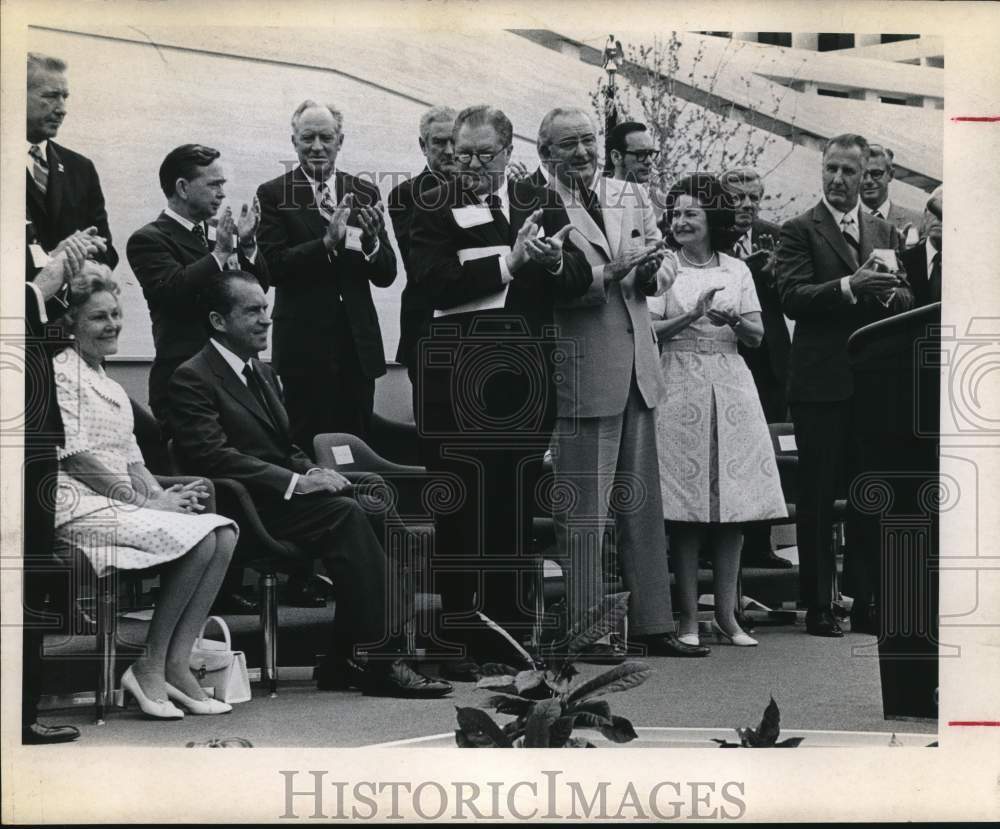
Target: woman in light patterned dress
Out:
[717,466]
[111,507]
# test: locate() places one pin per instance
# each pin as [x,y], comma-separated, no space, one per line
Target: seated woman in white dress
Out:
[109,506]
[717,466]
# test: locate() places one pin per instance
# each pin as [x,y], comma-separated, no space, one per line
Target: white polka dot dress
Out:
[97,417]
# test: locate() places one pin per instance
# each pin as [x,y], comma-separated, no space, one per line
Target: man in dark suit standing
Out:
[323,236]
[923,261]
[43,433]
[415,312]
[177,255]
[491,261]
[631,152]
[875,196]
[229,421]
[835,274]
[753,242]
[63,190]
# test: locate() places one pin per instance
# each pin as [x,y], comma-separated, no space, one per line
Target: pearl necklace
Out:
[696,264]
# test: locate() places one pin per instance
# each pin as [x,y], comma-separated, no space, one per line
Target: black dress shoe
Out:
[399,679]
[766,559]
[603,653]
[820,622]
[461,670]
[667,644]
[300,593]
[37,734]
[234,604]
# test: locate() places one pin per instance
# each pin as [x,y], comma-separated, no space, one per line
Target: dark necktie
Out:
[256,389]
[199,234]
[850,230]
[40,168]
[878,215]
[495,205]
[934,283]
[593,207]
[324,201]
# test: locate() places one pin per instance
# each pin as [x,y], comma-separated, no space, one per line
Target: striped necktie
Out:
[199,234]
[850,230]
[324,201]
[40,171]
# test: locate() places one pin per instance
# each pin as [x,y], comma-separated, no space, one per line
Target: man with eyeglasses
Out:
[415,313]
[875,195]
[923,261]
[632,153]
[604,439]
[491,258]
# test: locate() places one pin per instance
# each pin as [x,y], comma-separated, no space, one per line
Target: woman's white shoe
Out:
[198,706]
[740,639]
[689,639]
[159,709]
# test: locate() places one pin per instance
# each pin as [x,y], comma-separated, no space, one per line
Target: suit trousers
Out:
[611,462]
[41,572]
[822,431]
[328,401]
[345,536]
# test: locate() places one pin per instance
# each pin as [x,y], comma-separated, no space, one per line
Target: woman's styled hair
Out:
[709,194]
[92,279]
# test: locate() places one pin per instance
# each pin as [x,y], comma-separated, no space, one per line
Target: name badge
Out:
[211,233]
[472,216]
[352,241]
[39,258]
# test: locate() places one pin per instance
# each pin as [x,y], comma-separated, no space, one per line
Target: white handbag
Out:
[220,670]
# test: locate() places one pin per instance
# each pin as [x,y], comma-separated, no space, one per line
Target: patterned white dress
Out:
[716,458]
[97,417]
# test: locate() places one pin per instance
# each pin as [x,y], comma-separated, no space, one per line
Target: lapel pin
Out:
[60,168]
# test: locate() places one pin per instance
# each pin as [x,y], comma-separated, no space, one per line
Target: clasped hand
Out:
[322,480]
[868,279]
[229,230]
[179,498]
[370,219]
[67,260]
[546,251]
[646,261]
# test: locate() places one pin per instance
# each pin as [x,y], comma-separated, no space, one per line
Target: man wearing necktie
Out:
[831,283]
[604,439]
[324,238]
[175,256]
[490,257]
[923,261]
[875,196]
[62,187]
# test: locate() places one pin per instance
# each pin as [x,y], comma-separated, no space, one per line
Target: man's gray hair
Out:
[551,115]
[432,116]
[846,141]
[308,103]
[37,62]
[878,151]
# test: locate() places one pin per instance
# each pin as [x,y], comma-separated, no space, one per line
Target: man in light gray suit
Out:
[875,196]
[604,440]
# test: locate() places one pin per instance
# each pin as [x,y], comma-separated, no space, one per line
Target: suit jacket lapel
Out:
[612,218]
[36,201]
[867,230]
[273,400]
[236,388]
[828,229]
[580,218]
[181,235]
[304,198]
[54,189]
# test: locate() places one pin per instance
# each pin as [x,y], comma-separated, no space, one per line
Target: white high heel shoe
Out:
[198,706]
[740,639]
[159,709]
[689,639]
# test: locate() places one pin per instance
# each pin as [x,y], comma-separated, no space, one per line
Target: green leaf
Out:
[770,725]
[508,704]
[479,728]
[585,719]
[526,680]
[598,707]
[496,669]
[498,683]
[543,714]
[560,732]
[621,677]
[620,730]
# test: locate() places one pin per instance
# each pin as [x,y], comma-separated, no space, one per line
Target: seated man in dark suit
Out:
[229,420]
[923,261]
[753,242]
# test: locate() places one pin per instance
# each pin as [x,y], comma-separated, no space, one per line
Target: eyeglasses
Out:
[875,175]
[484,157]
[644,155]
[570,144]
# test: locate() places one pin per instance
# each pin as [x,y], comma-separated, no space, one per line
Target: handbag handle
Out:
[221,624]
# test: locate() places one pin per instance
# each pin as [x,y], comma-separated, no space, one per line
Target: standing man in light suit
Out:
[605,432]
